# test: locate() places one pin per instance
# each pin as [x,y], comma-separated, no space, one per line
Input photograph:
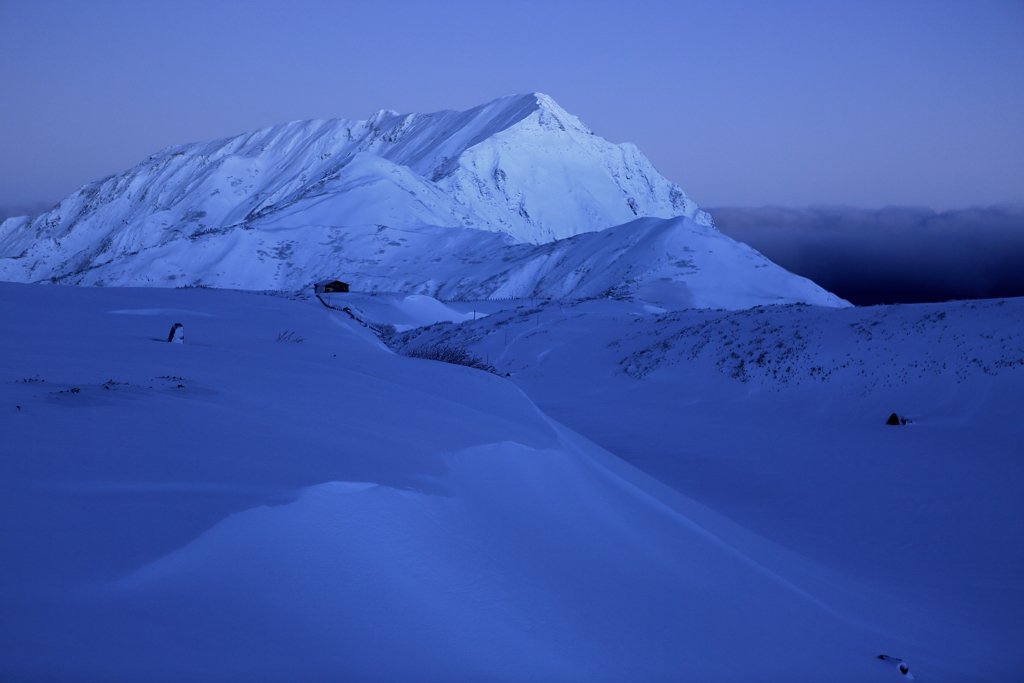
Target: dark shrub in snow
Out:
[384,330]
[446,353]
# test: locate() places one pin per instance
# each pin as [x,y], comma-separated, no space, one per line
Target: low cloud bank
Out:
[891,255]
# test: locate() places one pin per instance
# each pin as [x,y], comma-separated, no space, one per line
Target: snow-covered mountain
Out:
[501,200]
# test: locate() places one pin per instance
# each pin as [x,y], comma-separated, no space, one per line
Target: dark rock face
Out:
[895,419]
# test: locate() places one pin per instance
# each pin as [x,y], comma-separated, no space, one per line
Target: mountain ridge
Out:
[279,207]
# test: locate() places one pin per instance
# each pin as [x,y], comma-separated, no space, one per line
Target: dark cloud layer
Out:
[891,255]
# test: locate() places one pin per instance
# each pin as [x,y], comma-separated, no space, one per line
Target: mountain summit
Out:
[473,203]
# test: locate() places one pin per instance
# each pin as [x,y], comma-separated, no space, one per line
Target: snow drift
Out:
[776,417]
[334,510]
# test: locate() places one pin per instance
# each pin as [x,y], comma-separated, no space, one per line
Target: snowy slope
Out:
[514,198]
[243,507]
[520,166]
[674,263]
[775,417]
[550,177]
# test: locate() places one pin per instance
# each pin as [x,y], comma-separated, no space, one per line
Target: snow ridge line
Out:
[632,487]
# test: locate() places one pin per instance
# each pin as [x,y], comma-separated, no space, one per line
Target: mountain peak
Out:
[380,115]
[545,112]
[519,165]
[548,103]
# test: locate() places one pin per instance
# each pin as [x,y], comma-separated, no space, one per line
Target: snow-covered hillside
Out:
[247,506]
[776,417]
[513,198]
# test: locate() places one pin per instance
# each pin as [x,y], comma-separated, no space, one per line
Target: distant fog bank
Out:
[891,255]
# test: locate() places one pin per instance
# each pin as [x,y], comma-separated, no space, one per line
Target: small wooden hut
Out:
[329,286]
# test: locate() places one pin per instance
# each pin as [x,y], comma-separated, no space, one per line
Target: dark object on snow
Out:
[900,665]
[895,419]
[328,286]
[177,334]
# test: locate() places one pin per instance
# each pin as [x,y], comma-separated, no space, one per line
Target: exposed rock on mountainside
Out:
[499,201]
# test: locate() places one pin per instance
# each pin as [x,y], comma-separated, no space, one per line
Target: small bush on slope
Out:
[447,353]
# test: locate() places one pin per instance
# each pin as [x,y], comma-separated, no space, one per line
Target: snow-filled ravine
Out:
[632,495]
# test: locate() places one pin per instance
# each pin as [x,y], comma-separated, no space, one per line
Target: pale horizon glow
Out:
[862,104]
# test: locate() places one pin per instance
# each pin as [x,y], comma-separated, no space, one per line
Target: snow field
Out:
[176,518]
[775,416]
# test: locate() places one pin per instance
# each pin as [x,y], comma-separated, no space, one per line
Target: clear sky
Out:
[792,102]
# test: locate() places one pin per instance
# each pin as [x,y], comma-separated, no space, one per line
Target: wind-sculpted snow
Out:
[776,415]
[243,507]
[520,167]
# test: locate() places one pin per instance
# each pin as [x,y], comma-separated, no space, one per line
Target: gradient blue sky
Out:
[856,103]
